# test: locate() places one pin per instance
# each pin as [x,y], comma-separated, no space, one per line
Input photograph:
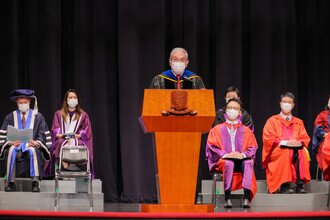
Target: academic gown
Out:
[81,126]
[219,144]
[167,80]
[320,145]
[278,161]
[24,166]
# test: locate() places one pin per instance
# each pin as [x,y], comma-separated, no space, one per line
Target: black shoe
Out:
[228,203]
[35,186]
[286,189]
[300,189]
[11,187]
[246,203]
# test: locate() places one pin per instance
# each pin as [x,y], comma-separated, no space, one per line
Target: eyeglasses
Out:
[235,108]
[182,60]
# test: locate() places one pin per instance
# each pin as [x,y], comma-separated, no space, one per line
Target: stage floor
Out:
[134,207]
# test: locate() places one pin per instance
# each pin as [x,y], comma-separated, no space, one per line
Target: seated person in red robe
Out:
[230,149]
[284,155]
[321,140]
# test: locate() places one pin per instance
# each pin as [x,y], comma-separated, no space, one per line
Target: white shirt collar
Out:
[232,122]
[285,117]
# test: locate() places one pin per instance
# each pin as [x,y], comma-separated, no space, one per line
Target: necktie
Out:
[287,118]
[23,119]
[178,82]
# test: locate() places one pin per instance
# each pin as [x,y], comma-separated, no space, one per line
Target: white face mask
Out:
[24,107]
[178,68]
[232,114]
[286,107]
[72,103]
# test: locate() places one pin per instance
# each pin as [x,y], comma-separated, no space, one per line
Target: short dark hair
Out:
[288,94]
[232,89]
[235,100]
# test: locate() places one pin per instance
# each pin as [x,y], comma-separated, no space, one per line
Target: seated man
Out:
[284,155]
[231,147]
[221,117]
[177,76]
[321,140]
[17,152]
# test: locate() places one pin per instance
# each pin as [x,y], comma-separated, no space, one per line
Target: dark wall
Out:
[109,50]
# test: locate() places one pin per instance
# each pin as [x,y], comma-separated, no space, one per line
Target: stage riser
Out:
[278,200]
[312,187]
[316,197]
[73,196]
[69,201]
[65,186]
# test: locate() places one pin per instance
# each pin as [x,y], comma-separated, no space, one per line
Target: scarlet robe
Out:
[219,144]
[278,161]
[320,145]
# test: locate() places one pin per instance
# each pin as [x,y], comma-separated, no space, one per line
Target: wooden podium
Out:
[178,142]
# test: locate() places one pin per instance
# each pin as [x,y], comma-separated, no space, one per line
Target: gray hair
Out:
[179,49]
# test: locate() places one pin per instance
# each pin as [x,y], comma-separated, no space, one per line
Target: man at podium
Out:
[230,149]
[177,76]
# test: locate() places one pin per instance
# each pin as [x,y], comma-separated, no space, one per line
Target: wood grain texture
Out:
[178,140]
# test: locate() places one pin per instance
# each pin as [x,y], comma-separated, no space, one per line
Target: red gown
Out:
[278,161]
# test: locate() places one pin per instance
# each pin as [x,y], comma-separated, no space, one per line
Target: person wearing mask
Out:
[71,126]
[321,140]
[284,155]
[177,76]
[24,158]
[231,148]
[221,116]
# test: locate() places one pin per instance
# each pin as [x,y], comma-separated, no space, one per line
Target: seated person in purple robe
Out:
[230,149]
[177,76]
[24,158]
[71,126]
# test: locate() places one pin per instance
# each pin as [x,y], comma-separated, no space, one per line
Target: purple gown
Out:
[80,126]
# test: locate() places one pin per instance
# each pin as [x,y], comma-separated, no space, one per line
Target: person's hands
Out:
[325,135]
[59,136]
[77,136]
[34,143]
[235,154]
[15,143]
[293,143]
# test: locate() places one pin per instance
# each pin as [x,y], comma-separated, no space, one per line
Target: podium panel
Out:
[178,143]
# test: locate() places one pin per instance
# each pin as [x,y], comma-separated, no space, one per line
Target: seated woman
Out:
[71,126]
[321,140]
[231,147]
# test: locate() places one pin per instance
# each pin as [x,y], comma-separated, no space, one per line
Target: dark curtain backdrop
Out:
[109,50]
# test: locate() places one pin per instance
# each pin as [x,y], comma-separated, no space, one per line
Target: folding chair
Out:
[77,155]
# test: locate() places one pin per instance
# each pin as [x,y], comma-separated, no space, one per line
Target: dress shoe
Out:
[300,189]
[35,186]
[11,187]
[286,189]
[246,203]
[228,203]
